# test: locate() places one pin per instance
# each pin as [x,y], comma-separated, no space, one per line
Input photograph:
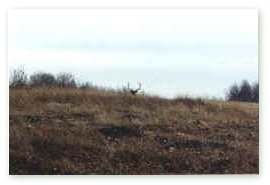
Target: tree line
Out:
[18,78]
[244,92]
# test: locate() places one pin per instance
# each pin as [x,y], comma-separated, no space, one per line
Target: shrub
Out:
[87,85]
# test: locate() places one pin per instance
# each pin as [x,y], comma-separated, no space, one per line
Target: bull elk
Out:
[134,91]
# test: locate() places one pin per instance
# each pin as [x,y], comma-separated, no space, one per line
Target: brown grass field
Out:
[75,131]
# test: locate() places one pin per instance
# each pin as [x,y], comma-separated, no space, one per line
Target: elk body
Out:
[134,91]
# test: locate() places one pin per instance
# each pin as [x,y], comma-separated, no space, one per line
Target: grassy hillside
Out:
[73,131]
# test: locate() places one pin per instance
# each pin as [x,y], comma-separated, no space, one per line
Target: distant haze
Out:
[196,52]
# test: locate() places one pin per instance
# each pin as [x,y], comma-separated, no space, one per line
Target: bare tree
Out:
[66,80]
[42,79]
[18,77]
[134,91]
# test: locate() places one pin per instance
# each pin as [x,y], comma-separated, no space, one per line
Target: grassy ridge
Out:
[75,131]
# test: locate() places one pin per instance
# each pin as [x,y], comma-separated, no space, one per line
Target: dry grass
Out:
[73,131]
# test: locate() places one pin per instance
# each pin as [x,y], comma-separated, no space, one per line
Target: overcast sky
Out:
[196,52]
